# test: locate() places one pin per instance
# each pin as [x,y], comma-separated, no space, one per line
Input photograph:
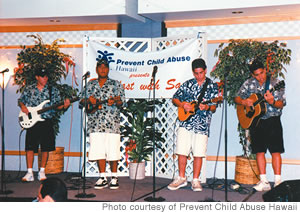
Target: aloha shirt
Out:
[251,86]
[32,97]
[107,119]
[190,91]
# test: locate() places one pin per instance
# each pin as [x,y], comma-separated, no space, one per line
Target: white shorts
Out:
[188,141]
[104,146]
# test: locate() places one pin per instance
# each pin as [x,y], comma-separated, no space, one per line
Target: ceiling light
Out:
[54,20]
[237,12]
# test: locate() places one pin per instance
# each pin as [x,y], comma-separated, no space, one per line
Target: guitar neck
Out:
[205,102]
[56,105]
[261,98]
[101,102]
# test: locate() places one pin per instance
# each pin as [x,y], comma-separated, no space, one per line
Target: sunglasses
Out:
[102,62]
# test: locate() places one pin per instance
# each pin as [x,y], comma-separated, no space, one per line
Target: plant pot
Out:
[246,171]
[137,170]
[55,163]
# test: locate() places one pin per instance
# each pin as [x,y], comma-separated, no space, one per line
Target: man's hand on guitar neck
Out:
[271,100]
[66,104]
[203,106]
[269,97]
[207,107]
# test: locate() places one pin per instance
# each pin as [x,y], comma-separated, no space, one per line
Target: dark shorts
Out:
[267,135]
[41,134]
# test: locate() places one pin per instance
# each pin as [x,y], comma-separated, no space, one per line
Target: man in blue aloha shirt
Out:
[193,132]
[42,133]
[104,123]
[267,134]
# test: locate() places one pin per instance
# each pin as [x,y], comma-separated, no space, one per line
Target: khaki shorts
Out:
[188,141]
[104,146]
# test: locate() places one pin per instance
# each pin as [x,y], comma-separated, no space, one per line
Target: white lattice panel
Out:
[166,161]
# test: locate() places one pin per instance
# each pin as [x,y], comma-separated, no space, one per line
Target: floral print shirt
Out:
[32,97]
[190,91]
[252,86]
[107,119]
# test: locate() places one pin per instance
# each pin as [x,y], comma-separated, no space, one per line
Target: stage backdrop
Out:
[132,61]
[135,69]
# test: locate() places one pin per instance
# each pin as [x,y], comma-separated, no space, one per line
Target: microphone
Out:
[153,74]
[86,75]
[5,70]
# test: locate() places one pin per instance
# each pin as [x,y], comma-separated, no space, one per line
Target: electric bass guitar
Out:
[34,115]
[249,116]
[185,115]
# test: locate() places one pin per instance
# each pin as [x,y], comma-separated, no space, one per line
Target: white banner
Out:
[134,70]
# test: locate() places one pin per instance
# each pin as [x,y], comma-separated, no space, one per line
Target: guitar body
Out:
[249,117]
[93,104]
[27,121]
[184,115]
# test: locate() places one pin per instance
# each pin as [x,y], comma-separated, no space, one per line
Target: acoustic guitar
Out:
[34,115]
[249,116]
[185,115]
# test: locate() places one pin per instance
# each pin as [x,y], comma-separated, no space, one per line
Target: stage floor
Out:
[128,191]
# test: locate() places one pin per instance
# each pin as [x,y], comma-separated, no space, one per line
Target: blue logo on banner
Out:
[106,56]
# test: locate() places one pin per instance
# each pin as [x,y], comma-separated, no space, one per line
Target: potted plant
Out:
[233,61]
[139,135]
[56,62]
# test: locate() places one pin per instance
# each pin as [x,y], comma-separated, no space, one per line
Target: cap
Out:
[102,61]
[41,72]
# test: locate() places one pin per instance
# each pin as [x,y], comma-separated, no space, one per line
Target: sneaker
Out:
[277,183]
[177,183]
[42,176]
[196,186]
[262,186]
[101,183]
[28,177]
[114,183]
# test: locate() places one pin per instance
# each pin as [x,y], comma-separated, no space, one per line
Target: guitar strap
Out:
[203,90]
[50,93]
[267,83]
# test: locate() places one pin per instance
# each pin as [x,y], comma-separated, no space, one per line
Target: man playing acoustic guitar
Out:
[42,133]
[103,125]
[267,133]
[193,132]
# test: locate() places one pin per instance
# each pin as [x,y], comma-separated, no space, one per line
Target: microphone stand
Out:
[225,104]
[3,190]
[83,194]
[153,198]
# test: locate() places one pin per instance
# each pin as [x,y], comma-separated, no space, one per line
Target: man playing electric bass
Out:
[105,97]
[267,133]
[42,133]
[193,132]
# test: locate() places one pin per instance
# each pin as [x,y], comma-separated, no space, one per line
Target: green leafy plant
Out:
[233,63]
[49,57]
[139,130]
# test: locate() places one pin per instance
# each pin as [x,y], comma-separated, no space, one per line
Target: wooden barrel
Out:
[246,171]
[55,163]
